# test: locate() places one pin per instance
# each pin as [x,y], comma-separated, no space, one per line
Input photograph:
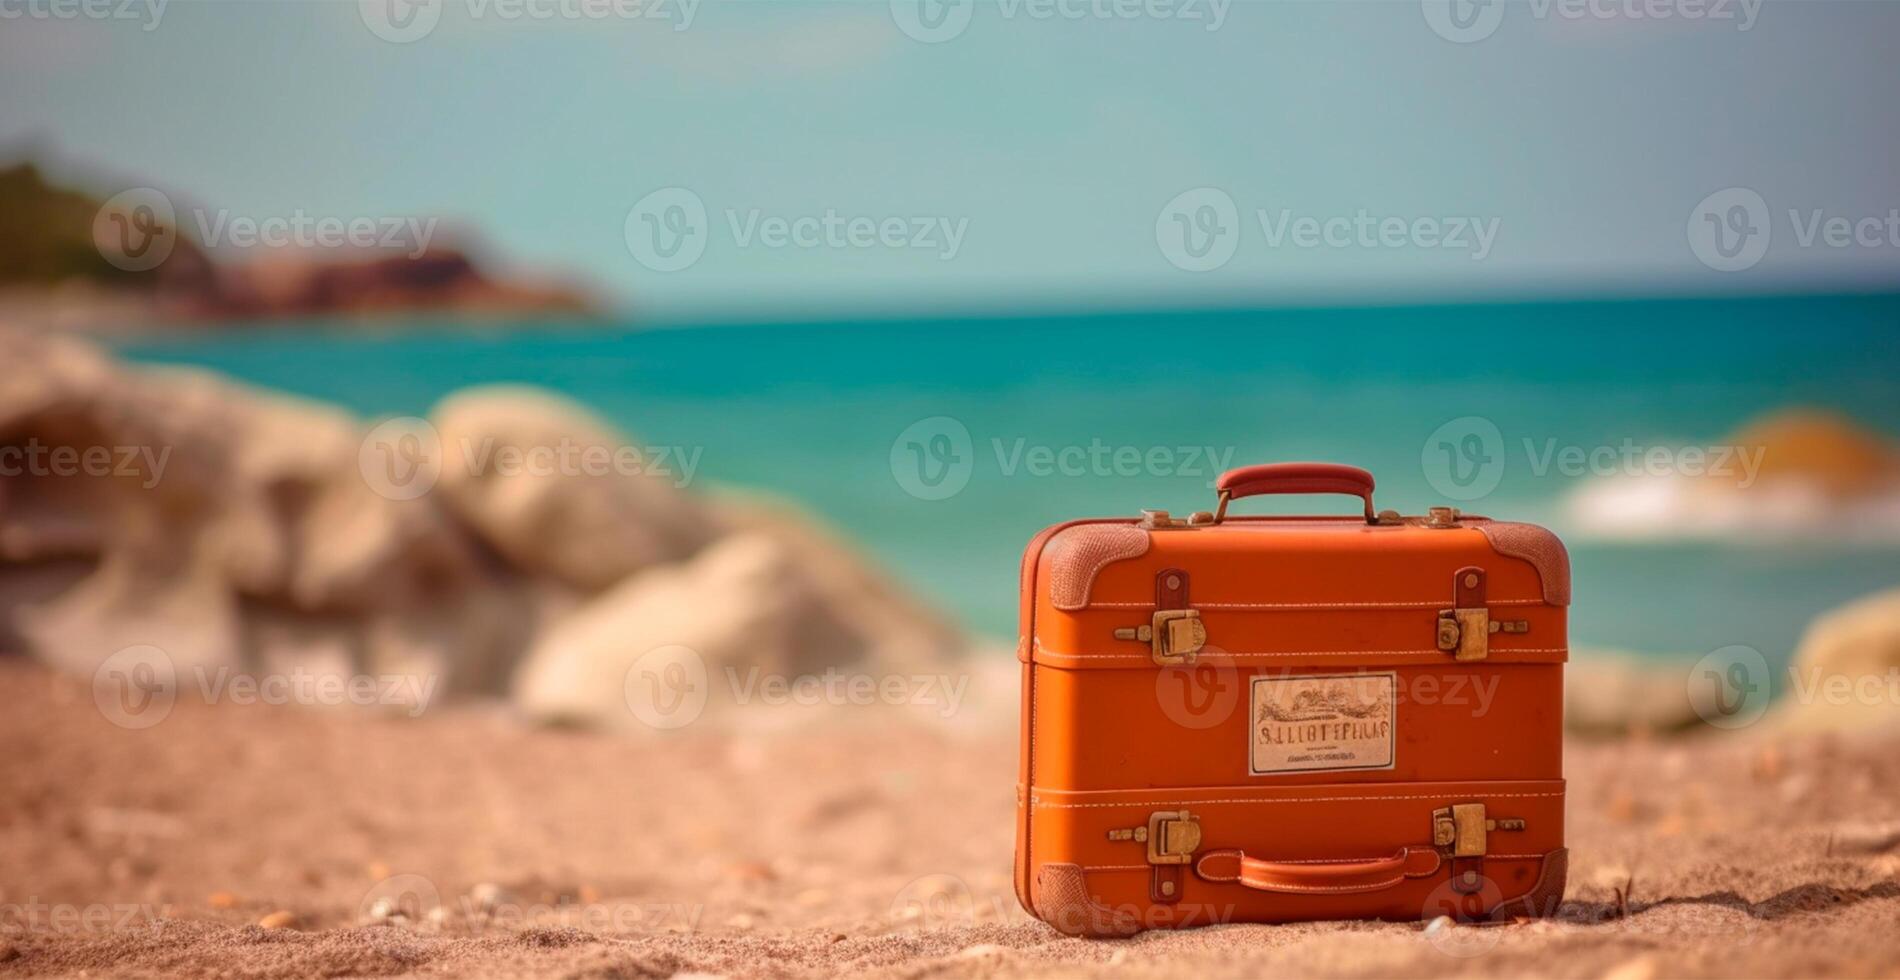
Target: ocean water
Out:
[941,445]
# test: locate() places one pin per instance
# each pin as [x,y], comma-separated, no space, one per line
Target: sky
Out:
[789,158]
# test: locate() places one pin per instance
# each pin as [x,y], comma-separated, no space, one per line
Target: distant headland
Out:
[140,261]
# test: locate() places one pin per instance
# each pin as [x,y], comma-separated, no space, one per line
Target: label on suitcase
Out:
[1245,719]
[1319,722]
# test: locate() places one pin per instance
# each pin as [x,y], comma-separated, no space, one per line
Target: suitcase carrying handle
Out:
[1342,878]
[1252,481]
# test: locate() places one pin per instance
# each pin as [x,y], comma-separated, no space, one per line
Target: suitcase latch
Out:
[1463,829]
[1461,832]
[1174,636]
[1172,836]
[1456,625]
[1464,631]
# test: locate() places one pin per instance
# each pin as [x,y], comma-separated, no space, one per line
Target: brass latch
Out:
[1454,625]
[1174,635]
[1463,633]
[1464,827]
[1172,836]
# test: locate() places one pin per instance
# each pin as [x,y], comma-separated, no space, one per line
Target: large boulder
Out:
[557,492]
[1616,694]
[776,602]
[879,613]
[191,513]
[232,527]
[744,602]
[1846,672]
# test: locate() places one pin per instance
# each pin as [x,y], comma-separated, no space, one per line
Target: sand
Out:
[868,843]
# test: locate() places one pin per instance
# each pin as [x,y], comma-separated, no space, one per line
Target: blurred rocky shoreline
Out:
[230,527]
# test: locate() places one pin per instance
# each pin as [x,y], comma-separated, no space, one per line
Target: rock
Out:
[1826,449]
[234,528]
[440,279]
[1614,694]
[1639,968]
[1798,475]
[230,528]
[388,910]
[222,900]
[280,919]
[775,599]
[874,610]
[1864,838]
[1846,671]
[744,602]
[188,612]
[550,487]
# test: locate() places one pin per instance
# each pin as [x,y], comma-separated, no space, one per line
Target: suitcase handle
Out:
[1252,481]
[1341,878]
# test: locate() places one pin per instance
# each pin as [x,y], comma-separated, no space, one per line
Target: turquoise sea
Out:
[1054,406]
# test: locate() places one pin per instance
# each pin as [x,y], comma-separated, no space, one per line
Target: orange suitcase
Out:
[1267,719]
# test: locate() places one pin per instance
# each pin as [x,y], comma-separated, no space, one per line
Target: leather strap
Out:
[1319,877]
[1164,885]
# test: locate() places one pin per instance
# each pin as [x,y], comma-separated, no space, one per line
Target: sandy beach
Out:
[867,842]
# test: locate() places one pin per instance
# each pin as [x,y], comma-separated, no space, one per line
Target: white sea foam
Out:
[1777,510]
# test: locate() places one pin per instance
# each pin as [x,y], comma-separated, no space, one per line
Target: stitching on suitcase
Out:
[1394,604]
[1115,867]
[1440,654]
[1035,800]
